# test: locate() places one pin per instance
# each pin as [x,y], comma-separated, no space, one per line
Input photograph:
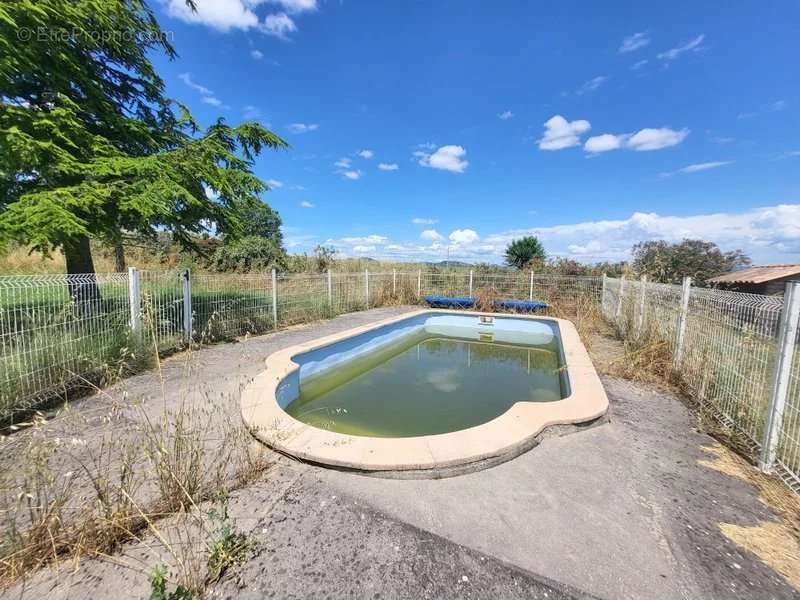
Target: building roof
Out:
[758,274]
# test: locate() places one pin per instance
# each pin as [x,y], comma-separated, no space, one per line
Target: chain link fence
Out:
[735,354]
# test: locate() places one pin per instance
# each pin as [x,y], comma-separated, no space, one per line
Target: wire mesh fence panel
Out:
[445,283]
[302,298]
[788,455]
[348,292]
[162,308]
[226,305]
[58,332]
[381,288]
[515,286]
[729,354]
[661,310]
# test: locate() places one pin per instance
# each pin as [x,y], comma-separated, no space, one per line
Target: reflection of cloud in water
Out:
[444,380]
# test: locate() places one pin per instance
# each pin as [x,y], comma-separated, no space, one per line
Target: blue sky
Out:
[426,128]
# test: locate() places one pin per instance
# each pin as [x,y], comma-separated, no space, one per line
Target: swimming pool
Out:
[429,390]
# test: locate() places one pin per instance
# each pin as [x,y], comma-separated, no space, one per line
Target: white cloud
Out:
[251,112]
[776,106]
[505,115]
[307,204]
[366,154]
[639,64]
[388,166]
[431,235]
[464,236]
[343,163]
[603,143]
[278,25]
[212,100]
[352,174]
[371,239]
[560,133]
[187,79]
[222,15]
[591,85]
[274,183]
[302,127]
[257,54]
[292,6]
[642,140]
[656,139]
[768,234]
[695,168]
[361,249]
[421,221]
[690,46]
[446,158]
[634,42]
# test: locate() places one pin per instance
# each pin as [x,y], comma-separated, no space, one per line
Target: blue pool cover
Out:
[467,302]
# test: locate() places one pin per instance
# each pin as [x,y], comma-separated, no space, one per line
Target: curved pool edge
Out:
[502,438]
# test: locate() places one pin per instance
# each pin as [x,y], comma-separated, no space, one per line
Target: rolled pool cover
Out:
[467,302]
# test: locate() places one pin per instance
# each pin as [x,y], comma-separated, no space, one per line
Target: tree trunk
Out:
[82,284]
[119,257]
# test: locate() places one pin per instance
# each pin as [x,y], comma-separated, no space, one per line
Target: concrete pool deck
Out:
[502,438]
[628,509]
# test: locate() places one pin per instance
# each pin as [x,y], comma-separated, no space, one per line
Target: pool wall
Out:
[264,399]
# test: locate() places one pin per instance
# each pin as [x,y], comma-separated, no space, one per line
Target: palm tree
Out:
[524,251]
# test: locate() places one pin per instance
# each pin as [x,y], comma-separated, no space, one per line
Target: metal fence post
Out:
[135,300]
[470,283]
[419,283]
[642,295]
[330,289]
[530,296]
[618,312]
[394,282]
[781,379]
[187,305]
[603,293]
[366,285]
[274,299]
[686,289]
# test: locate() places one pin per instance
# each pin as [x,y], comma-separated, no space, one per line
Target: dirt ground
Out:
[642,506]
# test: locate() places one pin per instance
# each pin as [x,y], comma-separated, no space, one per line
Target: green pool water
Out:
[428,385]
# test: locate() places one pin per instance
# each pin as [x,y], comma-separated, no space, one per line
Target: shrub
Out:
[249,254]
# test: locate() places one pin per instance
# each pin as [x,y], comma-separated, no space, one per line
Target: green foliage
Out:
[525,252]
[228,547]
[324,257]
[90,146]
[158,587]
[259,220]
[670,263]
[249,254]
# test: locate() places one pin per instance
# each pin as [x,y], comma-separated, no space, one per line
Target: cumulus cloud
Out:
[505,115]
[446,158]
[388,166]
[634,42]
[279,25]
[366,154]
[302,127]
[352,174]
[464,236]
[222,15]
[257,54]
[421,221]
[307,204]
[591,85]
[603,143]
[274,184]
[656,139]
[643,140]
[369,239]
[431,235]
[693,45]
[212,100]
[560,133]
[292,6]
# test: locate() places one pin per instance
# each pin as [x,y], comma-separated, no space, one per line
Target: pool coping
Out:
[509,434]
